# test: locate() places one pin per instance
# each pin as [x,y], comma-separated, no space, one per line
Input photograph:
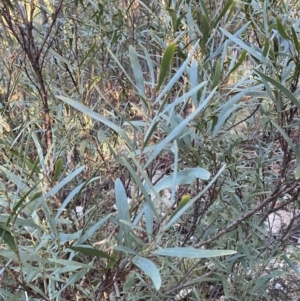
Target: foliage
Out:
[145,145]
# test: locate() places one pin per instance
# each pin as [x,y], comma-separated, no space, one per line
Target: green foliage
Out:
[144,148]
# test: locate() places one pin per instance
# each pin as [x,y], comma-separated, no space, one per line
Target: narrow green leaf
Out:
[65,262]
[22,200]
[214,122]
[280,87]
[232,11]
[30,165]
[172,14]
[48,214]
[127,287]
[37,202]
[95,81]
[276,49]
[177,75]
[204,9]
[12,297]
[266,48]
[88,250]
[205,32]
[139,183]
[281,29]
[19,222]
[227,109]
[176,131]
[59,57]
[285,136]
[69,282]
[150,269]
[149,132]
[251,49]
[224,11]
[124,250]
[218,72]
[7,237]
[165,64]
[179,19]
[262,281]
[192,253]
[290,263]
[87,54]
[39,151]
[80,107]
[72,194]
[90,231]
[295,39]
[34,168]
[58,169]
[9,3]
[18,181]
[182,99]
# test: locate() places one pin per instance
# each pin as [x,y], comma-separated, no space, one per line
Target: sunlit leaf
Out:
[88,250]
[281,29]
[186,176]
[192,253]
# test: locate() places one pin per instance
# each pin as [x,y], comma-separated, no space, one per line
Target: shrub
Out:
[147,150]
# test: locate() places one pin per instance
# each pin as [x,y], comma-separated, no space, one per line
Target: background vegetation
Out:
[149,150]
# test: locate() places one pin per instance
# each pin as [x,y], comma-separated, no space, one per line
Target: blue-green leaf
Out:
[186,176]
[150,269]
[123,213]
[192,252]
[280,87]
[137,70]
[88,250]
